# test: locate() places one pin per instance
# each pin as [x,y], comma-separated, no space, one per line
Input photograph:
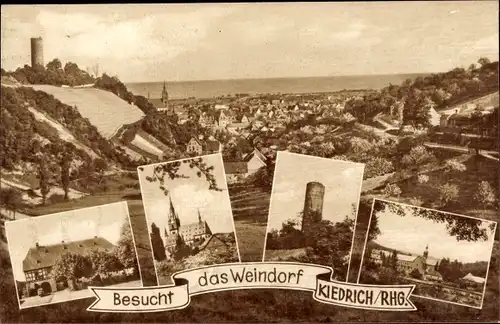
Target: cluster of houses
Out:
[459,116]
[253,113]
[407,263]
[424,264]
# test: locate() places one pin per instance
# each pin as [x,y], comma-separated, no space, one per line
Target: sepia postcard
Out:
[446,255]
[56,257]
[312,214]
[256,138]
[189,214]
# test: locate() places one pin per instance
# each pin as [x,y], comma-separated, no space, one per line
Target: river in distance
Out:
[216,88]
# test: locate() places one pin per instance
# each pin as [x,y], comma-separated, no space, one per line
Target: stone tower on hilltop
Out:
[313,205]
[37,52]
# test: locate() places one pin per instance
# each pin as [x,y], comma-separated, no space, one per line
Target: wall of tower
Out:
[37,52]
[313,204]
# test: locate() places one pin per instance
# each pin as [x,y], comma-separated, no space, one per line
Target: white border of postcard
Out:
[326,160]
[443,212]
[62,214]
[146,213]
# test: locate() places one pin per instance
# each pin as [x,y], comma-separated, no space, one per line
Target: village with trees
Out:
[443,278]
[411,154]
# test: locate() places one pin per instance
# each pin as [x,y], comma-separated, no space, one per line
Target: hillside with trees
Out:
[53,73]
[418,95]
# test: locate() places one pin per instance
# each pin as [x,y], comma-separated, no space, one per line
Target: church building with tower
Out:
[407,263]
[190,235]
[161,104]
[164,97]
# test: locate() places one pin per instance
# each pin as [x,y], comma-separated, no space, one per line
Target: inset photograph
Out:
[55,258]
[446,256]
[313,210]
[189,214]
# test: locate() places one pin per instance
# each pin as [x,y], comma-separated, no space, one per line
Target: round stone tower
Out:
[313,204]
[37,52]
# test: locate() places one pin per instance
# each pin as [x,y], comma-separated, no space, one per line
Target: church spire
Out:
[199,216]
[164,95]
[173,220]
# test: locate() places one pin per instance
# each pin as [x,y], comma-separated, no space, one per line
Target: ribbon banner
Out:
[253,275]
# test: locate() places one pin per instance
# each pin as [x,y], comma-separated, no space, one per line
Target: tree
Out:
[71,266]
[448,193]
[392,190]
[65,163]
[125,248]
[417,157]
[451,271]
[483,61]
[454,165]
[100,167]
[417,109]
[44,175]
[104,262]
[54,65]
[377,166]
[394,260]
[11,200]
[332,245]
[172,171]
[463,228]
[157,243]
[485,194]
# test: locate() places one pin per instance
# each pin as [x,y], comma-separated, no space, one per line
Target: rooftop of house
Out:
[45,256]
[256,153]
[213,237]
[235,167]
[471,277]
[203,226]
[431,261]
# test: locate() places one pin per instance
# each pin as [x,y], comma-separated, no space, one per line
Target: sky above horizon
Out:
[74,225]
[188,196]
[412,233]
[342,181]
[179,42]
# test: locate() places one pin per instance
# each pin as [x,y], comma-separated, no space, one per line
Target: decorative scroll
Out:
[255,275]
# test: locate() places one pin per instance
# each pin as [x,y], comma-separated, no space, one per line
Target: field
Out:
[145,145]
[250,208]
[106,111]
[445,292]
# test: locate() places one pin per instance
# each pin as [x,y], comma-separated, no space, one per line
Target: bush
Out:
[56,198]
[392,190]
[448,193]
[377,166]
